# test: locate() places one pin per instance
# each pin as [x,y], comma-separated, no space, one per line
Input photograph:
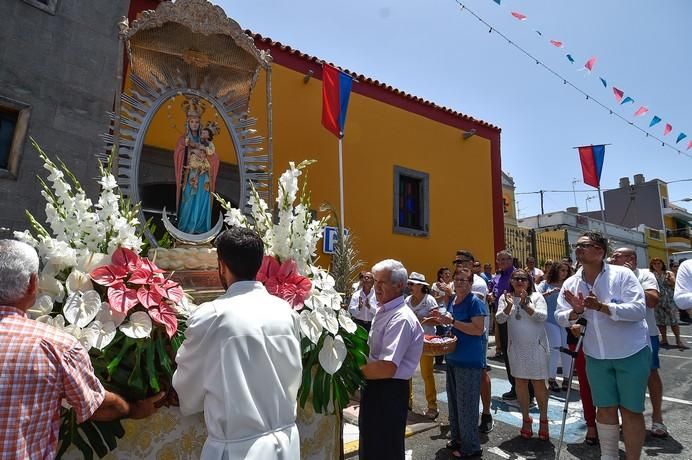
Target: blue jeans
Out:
[463,395]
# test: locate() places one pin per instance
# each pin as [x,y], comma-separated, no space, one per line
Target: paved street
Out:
[504,441]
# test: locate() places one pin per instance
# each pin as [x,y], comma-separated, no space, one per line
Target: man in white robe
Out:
[240,362]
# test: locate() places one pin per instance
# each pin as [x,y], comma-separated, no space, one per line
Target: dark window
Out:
[410,201]
[8,124]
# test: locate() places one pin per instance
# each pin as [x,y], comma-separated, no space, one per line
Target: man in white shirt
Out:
[683,286]
[616,342]
[363,305]
[627,257]
[465,259]
[396,345]
[240,362]
[535,272]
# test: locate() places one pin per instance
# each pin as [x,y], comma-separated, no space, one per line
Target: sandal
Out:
[659,430]
[553,386]
[453,445]
[592,440]
[543,435]
[527,434]
[432,414]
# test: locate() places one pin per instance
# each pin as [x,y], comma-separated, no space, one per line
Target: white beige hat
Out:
[417,278]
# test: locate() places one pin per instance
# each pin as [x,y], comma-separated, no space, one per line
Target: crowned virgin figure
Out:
[196,167]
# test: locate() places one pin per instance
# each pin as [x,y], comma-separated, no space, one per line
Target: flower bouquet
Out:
[333,346]
[94,285]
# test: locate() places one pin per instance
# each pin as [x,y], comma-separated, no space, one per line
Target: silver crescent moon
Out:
[191,238]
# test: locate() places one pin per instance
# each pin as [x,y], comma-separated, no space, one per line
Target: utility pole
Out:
[574,192]
[541,192]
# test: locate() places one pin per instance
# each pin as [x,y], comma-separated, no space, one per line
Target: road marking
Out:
[502,454]
[575,383]
[676,356]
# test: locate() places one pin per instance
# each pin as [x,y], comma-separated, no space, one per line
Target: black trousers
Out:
[505,356]
[382,419]
[366,324]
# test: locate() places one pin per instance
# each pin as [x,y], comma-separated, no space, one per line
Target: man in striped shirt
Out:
[40,366]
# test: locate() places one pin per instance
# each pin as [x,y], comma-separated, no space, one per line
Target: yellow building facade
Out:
[389,137]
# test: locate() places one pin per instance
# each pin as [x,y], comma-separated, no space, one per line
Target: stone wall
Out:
[63,66]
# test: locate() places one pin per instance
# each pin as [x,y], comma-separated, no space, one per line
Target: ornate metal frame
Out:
[136,107]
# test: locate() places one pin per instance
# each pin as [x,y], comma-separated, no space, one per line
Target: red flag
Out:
[667,129]
[591,158]
[618,94]
[590,63]
[640,111]
[336,90]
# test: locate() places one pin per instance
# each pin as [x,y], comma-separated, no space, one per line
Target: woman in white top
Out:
[443,289]
[422,303]
[525,312]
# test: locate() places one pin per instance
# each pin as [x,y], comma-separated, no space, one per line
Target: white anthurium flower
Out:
[101,333]
[323,280]
[42,307]
[91,260]
[48,285]
[57,322]
[332,354]
[346,322]
[311,325]
[331,300]
[86,336]
[331,322]
[78,281]
[107,315]
[138,327]
[80,309]
[185,307]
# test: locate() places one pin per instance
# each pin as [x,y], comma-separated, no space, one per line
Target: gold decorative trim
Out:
[200,16]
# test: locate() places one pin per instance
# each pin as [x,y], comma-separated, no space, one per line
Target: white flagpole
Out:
[341,188]
[600,202]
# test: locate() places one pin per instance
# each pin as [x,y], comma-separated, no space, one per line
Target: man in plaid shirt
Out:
[40,366]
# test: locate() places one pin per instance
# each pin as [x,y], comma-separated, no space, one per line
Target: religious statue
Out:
[196,167]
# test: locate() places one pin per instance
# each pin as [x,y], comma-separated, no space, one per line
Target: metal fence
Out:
[543,245]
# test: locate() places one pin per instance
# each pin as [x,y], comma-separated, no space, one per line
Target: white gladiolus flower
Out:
[235,218]
[50,286]
[332,354]
[138,327]
[57,254]
[42,307]
[346,322]
[80,309]
[78,281]
[108,182]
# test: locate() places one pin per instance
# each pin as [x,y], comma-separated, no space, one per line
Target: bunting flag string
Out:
[588,66]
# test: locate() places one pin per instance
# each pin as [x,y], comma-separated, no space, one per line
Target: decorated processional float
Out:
[123,273]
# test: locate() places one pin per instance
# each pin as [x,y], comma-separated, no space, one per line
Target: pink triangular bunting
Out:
[521,17]
[618,94]
[667,129]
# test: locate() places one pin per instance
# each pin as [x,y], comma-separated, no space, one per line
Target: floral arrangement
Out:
[333,346]
[96,287]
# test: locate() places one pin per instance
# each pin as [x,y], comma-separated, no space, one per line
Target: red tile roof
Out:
[260,41]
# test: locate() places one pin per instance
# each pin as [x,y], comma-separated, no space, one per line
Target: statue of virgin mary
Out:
[196,167]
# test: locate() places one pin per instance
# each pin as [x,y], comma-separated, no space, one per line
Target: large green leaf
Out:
[151,368]
[94,438]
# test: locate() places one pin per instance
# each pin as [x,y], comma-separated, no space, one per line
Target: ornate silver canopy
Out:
[190,48]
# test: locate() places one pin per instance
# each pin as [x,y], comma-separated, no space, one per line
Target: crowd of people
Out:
[536,314]
[613,309]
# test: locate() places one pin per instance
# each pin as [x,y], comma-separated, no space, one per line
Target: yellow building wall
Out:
[378,137]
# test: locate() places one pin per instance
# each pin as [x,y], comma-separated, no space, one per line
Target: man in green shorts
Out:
[616,342]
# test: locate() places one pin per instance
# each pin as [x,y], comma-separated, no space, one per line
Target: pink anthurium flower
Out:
[149,265]
[270,266]
[140,276]
[288,284]
[148,297]
[166,315]
[126,258]
[108,275]
[121,298]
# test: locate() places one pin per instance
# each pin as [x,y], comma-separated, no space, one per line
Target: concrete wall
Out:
[634,205]
[63,66]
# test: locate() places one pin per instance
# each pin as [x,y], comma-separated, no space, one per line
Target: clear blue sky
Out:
[433,50]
